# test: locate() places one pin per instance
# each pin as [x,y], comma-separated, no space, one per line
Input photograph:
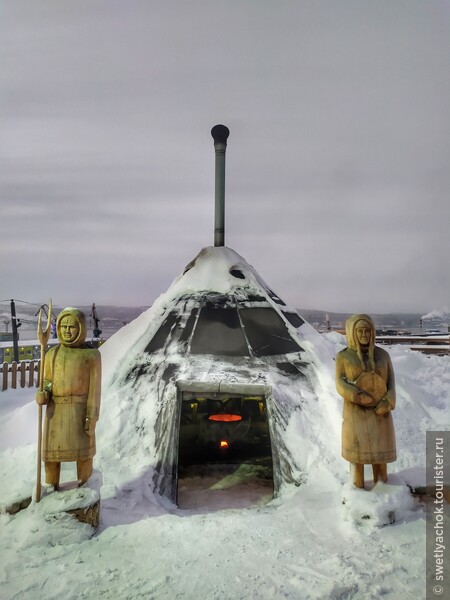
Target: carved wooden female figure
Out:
[365,379]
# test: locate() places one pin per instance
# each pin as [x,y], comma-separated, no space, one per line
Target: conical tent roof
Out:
[219,326]
[221,307]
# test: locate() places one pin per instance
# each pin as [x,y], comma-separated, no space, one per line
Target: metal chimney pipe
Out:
[220,135]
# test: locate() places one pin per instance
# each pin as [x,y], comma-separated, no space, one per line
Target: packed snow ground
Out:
[312,542]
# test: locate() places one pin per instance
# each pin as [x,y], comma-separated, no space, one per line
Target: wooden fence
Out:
[22,374]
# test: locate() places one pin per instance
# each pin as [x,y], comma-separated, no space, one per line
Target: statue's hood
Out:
[350,331]
[79,316]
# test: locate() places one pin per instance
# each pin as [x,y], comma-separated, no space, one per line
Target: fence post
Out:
[23,369]
[5,369]
[14,375]
[31,373]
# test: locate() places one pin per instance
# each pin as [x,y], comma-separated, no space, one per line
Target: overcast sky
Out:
[338,161]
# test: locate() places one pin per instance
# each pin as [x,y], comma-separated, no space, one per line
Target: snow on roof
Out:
[218,270]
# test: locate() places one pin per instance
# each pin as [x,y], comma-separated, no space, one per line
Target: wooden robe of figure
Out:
[365,379]
[72,387]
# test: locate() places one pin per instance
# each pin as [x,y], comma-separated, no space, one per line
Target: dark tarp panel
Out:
[267,332]
[219,332]
[161,337]
[186,333]
[293,318]
[275,298]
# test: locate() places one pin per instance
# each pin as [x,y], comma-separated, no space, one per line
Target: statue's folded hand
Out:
[364,399]
[89,426]
[42,397]
[382,407]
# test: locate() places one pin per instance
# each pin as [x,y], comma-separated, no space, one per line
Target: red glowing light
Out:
[225,417]
[223,444]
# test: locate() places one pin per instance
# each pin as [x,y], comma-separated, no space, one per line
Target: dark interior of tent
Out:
[220,433]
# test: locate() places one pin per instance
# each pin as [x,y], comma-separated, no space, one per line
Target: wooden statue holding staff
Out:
[365,379]
[71,390]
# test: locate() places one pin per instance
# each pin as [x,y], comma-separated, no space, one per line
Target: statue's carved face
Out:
[69,328]
[363,332]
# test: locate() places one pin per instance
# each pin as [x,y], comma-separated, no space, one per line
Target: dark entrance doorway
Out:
[224,452]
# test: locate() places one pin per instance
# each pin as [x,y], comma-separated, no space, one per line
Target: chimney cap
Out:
[220,133]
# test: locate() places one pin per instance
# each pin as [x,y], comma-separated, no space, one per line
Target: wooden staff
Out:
[43,335]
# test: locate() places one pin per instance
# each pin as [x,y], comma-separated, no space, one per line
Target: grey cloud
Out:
[337,161]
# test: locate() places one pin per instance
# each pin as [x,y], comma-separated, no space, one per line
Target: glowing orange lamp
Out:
[224,417]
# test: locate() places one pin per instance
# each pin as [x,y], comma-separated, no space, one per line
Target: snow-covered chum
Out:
[218,328]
